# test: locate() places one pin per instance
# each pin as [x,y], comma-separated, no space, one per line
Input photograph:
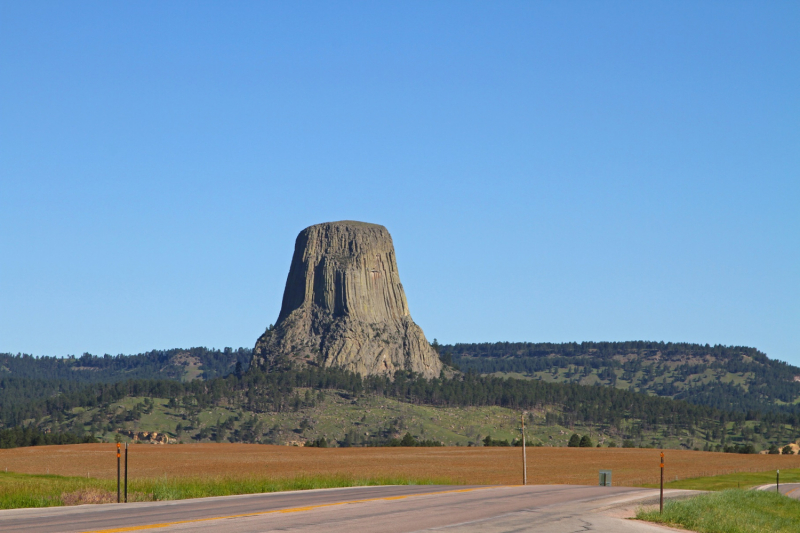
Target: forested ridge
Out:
[30,436]
[628,413]
[155,364]
[27,379]
[49,394]
[727,377]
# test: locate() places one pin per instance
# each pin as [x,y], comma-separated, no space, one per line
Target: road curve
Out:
[541,508]
[791,490]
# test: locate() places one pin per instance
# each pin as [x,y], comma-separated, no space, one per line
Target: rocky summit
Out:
[344,306]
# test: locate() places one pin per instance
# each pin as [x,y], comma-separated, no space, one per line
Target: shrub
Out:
[773,450]
[734,448]
[408,440]
[528,443]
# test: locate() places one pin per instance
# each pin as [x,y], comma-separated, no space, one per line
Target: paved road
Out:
[543,508]
[790,489]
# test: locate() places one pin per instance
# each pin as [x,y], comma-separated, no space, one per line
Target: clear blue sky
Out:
[550,171]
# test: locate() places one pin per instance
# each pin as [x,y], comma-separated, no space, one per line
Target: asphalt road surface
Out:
[541,508]
[791,490]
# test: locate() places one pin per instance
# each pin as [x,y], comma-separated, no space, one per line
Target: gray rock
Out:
[344,306]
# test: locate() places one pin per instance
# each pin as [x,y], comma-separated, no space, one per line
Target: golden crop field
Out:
[483,465]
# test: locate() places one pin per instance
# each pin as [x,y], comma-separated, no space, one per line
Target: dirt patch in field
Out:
[460,465]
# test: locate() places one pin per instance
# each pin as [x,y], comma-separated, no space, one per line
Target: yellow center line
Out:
[274,511]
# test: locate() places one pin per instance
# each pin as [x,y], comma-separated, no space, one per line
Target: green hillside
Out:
[368,419]
[726,377]
[730,378]
[308,403]
[25,379]
[637,394]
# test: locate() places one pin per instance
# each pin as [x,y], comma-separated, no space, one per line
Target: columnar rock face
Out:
[344,306]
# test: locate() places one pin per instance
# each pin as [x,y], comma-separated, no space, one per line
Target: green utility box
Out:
[605,478]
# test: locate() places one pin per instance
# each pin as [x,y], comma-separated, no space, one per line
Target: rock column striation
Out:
[344,306]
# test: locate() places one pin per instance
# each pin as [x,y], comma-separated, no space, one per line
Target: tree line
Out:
[18,437]
[768,384]
[258,391]
[155,364]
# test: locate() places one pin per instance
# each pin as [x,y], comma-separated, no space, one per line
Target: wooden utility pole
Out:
[524,455]
[661,499]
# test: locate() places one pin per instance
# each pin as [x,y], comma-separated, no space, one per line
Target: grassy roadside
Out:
[730,511]
[28,490]
[739,480]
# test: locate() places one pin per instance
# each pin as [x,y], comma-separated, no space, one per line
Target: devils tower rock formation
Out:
[344,306]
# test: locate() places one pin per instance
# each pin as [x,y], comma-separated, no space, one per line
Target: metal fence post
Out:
[524,455]
[118,446]
[126,472]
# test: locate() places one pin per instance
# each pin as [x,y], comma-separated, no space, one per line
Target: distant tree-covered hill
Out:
[180,364]
[726,377]
[25,379]
[201,395]
[306,404]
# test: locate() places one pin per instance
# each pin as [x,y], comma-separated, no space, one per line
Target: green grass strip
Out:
[29,490]
[730,511]
[739,480]
[180,489]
